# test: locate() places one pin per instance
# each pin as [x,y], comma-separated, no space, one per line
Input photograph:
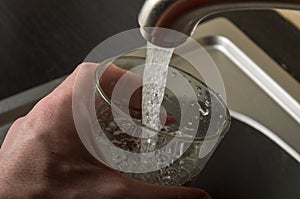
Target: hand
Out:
[42,156]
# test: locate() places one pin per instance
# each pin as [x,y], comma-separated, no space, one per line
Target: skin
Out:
[43,157]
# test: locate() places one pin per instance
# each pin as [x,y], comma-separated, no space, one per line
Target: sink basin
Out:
[248,165]
[259,156]
[258,90]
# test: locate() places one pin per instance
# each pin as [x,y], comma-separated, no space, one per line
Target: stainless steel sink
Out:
[259,92]
[247,164]
[259,157]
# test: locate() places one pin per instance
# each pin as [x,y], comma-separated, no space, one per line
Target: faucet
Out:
[183,16]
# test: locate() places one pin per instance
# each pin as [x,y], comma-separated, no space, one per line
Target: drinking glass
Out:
[193,121]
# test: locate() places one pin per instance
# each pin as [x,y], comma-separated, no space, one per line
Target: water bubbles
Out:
[174,74]
[117,133]
[155,77]
[199,91]
[204,112]
[182,131]
[181,149]
[112,126]
[188,131]
[150,102]
[123,162]
[117,142]
[207,103]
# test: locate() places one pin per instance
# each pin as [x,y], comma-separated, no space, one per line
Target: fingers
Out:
[125,82]
[120,186]
[122,84]
[178,193]
[184,193]
[55,110]
[149,191]
[52,117]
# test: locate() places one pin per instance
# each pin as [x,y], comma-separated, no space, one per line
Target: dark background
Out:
[44,39]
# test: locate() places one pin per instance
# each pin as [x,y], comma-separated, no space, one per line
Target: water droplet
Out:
[174,74]
[207,103]
[112,125]
[181,149]
[190,123]
[117,132]
[203,112]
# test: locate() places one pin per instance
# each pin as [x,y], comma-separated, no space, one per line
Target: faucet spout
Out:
[184,15]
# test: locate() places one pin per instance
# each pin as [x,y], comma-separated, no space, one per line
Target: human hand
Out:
[42,156]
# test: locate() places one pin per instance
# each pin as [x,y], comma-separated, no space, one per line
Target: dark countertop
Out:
[43,40]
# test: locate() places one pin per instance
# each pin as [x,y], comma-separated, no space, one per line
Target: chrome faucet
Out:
[184,15]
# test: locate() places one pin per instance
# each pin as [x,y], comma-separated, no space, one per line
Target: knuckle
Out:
[17,123]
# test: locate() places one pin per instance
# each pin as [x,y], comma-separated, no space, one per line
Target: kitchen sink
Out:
[259,156]
[259,92]
[247,164]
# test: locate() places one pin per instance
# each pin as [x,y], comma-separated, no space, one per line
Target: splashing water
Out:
[184,165]
[154,82]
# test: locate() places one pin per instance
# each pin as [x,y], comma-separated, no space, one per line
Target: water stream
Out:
[154,82]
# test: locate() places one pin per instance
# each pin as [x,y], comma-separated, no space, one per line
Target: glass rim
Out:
[100,91]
